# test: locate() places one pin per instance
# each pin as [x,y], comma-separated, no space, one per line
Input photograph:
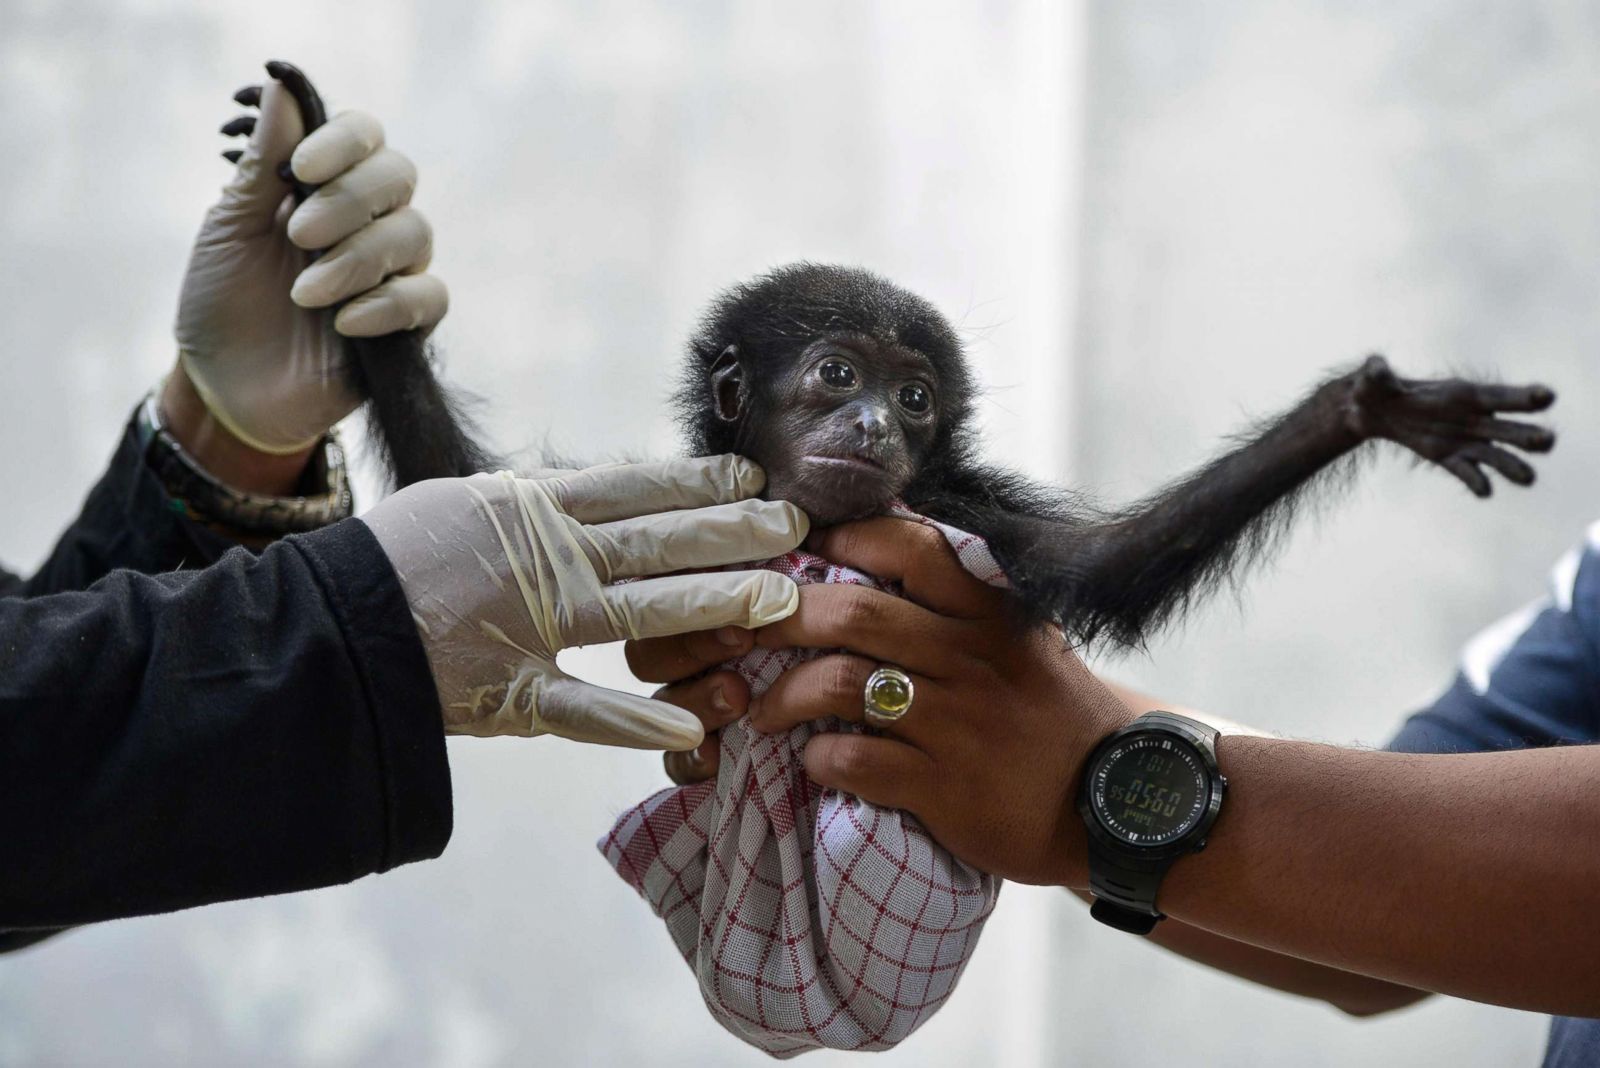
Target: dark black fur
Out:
[419,430]
[1117,574]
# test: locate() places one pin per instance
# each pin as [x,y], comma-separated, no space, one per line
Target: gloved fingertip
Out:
[367,318]
[680,734]
[800,523]
[776,597]
[301,164]
[308,294]
[748,477]
[297,236]
[348,322]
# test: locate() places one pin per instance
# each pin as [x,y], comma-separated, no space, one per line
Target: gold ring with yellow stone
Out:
[888,696]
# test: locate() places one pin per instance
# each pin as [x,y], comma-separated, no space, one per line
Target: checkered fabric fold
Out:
[811,918]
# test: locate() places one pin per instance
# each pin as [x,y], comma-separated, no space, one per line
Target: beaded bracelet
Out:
[198,494]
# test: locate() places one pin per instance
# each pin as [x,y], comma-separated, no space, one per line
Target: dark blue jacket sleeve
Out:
[1532,679]
[126,522]
[262,725]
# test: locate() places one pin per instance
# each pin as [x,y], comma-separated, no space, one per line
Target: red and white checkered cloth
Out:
[811,918]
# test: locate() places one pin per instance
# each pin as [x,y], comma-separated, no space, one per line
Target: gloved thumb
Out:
[256,189]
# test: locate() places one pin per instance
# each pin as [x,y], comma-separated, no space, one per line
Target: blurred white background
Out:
[1154,222]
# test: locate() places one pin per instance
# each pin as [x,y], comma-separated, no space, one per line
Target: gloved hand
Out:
[503,572]
[251,332]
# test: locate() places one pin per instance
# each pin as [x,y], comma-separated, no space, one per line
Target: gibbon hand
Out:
[252,332]
[503,572]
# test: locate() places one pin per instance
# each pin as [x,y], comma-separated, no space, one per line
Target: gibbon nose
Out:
[872,423]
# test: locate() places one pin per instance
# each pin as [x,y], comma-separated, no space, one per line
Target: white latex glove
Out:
[251,332]
[503,572]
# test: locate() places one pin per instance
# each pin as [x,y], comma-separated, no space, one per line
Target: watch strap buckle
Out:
[1122,918]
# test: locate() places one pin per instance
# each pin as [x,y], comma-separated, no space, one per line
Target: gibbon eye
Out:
[837,374]
[914,398]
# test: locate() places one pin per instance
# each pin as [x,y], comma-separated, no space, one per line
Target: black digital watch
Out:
[1151,792]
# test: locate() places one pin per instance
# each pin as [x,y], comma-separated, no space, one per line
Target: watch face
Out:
[1149,789]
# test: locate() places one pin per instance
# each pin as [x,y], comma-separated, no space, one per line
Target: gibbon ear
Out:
[727,385]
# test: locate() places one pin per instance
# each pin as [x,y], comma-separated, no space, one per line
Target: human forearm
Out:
[1472,875]
[1358,995]
[260,726]
[127,522]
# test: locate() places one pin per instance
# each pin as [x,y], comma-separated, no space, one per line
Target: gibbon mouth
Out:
[854,461]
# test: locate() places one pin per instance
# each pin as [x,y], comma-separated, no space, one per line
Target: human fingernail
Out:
[680,766]
[732,637]
[719,701]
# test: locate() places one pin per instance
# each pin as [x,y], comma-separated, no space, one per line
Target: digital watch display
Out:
[1150,790]
[1150,794]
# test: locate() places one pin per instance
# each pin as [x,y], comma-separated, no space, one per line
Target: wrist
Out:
[1073,868]
[218,450]
[1107,715]
[1344,425]
[321,495]
[1149,796]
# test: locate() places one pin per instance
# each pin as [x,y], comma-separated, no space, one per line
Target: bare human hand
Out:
[716,698]
[1003,718]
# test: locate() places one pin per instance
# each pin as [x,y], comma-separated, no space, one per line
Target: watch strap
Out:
[1124,893]
[1198,731]
[1124,919]
[1124,884]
